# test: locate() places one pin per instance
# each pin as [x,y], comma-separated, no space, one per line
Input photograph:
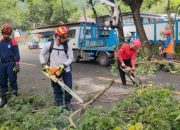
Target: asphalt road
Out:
[87,76]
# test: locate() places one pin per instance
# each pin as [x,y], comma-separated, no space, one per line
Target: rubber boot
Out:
[3,100]
[15,93]
[59,104]
[69,107]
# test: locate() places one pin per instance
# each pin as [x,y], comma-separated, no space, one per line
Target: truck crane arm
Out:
[115,17]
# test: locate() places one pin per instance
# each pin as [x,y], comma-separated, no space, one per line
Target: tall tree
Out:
[135,6]
[172,7]
[10,12]
[119,26]
[92,4]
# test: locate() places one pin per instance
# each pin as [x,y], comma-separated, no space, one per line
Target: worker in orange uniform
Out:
[168,47]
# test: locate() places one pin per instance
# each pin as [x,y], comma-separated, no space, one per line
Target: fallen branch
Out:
[83,107]
[146,62]
[105,101]
[176,61]
[37,110]
[158,61]
[176,92]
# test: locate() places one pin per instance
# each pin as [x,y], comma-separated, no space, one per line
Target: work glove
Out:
[61,67]
[45,67]
[127,69]
[123,65]
[16,68]
[160,50]
[133,68]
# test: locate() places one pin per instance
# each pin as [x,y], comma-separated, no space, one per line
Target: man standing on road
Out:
[9,63]
[168,48]
[127,58]
[60,57]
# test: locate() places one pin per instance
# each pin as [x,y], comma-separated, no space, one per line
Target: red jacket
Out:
[126,53]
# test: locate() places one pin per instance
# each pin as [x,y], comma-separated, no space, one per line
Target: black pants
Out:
[58,92]
[122,75]
[7,75]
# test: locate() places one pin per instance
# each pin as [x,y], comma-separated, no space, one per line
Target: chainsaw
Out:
[56,75]
[127,70]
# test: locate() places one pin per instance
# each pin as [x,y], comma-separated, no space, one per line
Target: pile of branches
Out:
[32,112]
[152,108]
[150,67]
[37,112]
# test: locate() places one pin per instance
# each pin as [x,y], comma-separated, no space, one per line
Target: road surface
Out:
[87,77]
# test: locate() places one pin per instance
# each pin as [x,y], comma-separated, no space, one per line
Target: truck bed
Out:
[98,48]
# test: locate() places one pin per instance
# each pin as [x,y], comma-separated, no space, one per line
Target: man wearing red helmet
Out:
[9,63]
[168,47]
[61,57]
[127,57]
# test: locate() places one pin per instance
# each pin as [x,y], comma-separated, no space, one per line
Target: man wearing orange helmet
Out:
[9,63]
[127,57]
[168,47]
[61,57]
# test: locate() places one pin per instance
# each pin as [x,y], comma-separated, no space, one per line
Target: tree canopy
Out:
[30,13]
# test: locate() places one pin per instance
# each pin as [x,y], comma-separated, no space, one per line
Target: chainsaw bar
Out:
[65,87]
[136,81]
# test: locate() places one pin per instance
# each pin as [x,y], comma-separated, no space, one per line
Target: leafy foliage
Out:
[177,49]
[32,113]
[147,67]
[150,108]
[11,12]
[151,68]
[26,14]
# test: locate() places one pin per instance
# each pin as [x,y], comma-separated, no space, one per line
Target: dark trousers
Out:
[58,92]
[7,73]
[122,75]
[164,55]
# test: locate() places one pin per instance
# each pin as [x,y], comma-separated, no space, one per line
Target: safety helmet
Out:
[136,43]
[61,30]
[167,32]
[6,29]
[6,26]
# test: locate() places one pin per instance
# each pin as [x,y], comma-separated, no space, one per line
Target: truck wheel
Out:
[76,56]
[103,59]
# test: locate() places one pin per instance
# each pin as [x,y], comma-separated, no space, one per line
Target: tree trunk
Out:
[120,27]
[139,25]
[93,9]
[135,9]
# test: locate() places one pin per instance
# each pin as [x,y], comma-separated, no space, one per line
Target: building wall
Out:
[154,31]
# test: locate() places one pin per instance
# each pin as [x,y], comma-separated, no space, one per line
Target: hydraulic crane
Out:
[115,16]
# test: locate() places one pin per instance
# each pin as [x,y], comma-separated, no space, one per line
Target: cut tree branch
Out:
[83,107]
